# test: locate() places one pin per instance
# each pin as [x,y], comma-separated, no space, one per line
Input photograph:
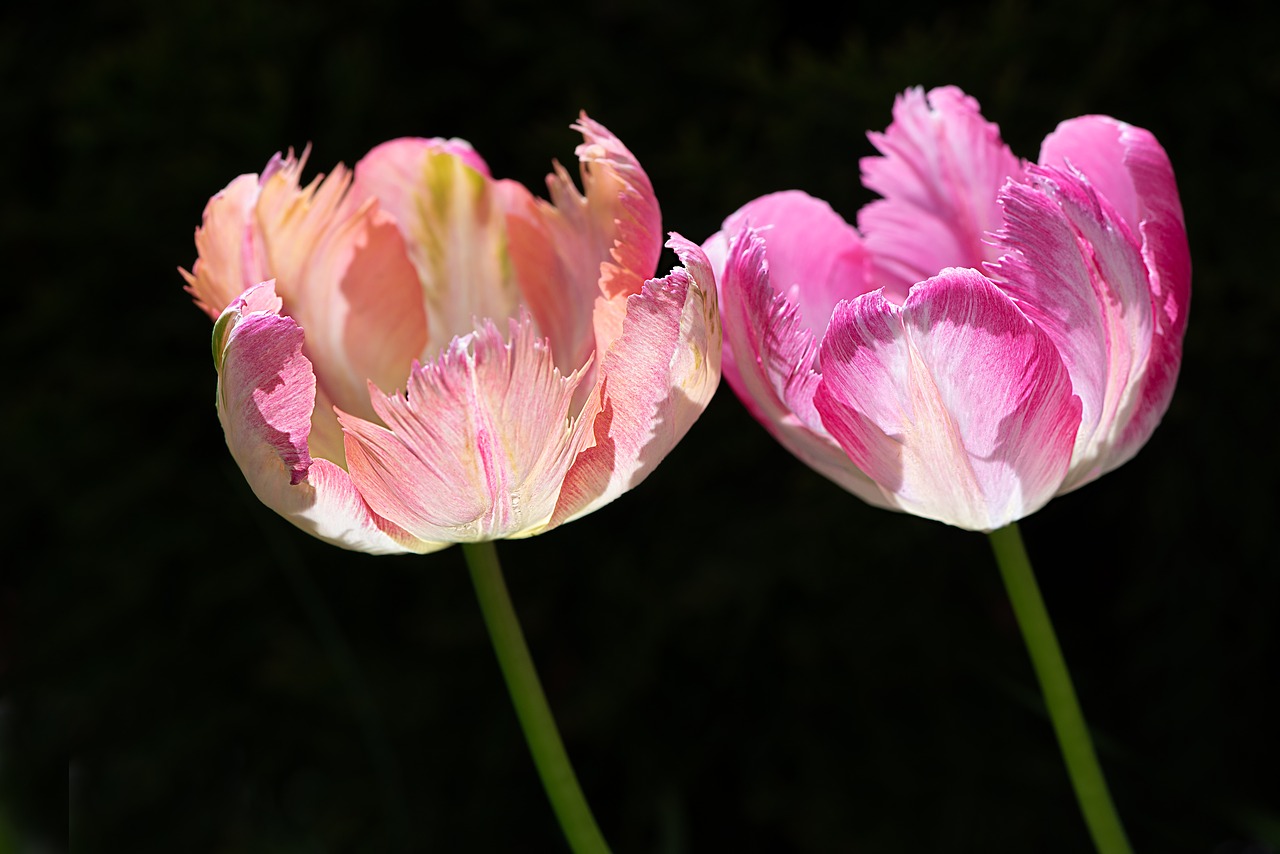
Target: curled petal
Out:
[1076,269]
[606,241]
[955,403]
[266,387]
[652,384]
[941,168]
[266,391]
[1128,167]
[579,257]
[478,448]
[619,209]
[770,359]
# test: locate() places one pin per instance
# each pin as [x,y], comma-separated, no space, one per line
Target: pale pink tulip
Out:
[414,354]
[994,333]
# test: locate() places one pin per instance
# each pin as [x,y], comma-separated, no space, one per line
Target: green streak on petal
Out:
[221,329]
[462,254]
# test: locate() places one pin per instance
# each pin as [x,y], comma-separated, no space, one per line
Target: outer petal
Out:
[266,390]
[1128,167]
[453,219]
[479,447]
[653,383]
[1076,270]
[770,356]
[942,167]
[954,403]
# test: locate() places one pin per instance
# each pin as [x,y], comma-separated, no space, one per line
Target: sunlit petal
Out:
[266,391]
[955,403]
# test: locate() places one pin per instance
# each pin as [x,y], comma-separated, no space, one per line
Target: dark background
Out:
[741,656]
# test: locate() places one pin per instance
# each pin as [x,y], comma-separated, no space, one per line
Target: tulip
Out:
[412,353]
[993,334]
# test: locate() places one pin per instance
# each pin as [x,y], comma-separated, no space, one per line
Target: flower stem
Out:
[539,726]
[1059,695]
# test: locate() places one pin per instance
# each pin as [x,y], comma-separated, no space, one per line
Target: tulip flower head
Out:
[412,353]
[992,334]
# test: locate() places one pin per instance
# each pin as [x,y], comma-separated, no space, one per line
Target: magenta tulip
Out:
[413,354]
[994,332]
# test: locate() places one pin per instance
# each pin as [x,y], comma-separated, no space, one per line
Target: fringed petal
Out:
[478,447]
[941,169]
[1128,167]
[1076,269]
[229,257]
[652,384]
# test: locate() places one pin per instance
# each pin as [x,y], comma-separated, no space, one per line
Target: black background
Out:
[741,656]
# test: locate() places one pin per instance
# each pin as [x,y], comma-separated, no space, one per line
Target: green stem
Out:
[539,726]
[1059,695]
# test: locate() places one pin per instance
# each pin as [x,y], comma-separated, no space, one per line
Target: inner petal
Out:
[479,446]
[361,309]
[941,168]
[815,258]
[453,221]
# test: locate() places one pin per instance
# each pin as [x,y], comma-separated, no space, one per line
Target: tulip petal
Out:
[770,360]
[1076,270]
[941,169]
[554,280]
[652,384]
[600,245]
[815,258]
[453,220]
[1092,145]
[1128,167]
[955,403]
[291,223]
[478,448]
[618,209]
[266,391]
[341,269]
[363,317]
[227,262]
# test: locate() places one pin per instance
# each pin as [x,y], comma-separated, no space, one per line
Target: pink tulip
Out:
[994,332]
[542,375]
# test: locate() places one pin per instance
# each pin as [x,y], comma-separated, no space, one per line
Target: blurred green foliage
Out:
[741,656]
